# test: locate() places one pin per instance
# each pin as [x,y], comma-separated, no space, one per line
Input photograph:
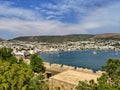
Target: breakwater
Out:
[57,68]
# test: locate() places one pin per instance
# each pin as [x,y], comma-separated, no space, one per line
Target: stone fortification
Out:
[60,68]
[69,79]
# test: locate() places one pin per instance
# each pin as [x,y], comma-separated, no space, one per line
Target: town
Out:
[57,75]
[26,47]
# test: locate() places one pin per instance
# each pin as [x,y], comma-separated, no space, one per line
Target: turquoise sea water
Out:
[92,59]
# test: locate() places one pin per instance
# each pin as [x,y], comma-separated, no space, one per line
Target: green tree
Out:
[17,75]
[36,63]
[112,70]
[14,77]
[6,55]
[38,83]
[108,81]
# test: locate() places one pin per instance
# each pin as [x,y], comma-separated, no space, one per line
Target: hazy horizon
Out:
[58,17]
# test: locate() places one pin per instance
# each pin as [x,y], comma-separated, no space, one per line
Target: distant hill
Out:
[74,37]
[55,39]
[107,36]
[1,39]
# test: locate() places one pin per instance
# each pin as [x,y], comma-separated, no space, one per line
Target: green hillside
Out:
[72,37]
[55,39]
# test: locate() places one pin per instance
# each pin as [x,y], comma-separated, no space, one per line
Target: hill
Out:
[1,39]
[107,36]
[74,37]
[56,39]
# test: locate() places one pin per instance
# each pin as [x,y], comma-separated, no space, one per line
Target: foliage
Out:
[36,63]
[108,81]
[6,55]
[113,72]
[16,75]
[85,86]
[38,83]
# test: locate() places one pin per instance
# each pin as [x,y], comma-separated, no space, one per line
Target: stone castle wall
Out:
[55,84]
[60,68]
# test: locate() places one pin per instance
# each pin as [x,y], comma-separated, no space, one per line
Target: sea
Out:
[92,59]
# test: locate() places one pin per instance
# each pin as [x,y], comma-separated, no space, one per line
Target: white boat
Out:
[94,52]
[116,52]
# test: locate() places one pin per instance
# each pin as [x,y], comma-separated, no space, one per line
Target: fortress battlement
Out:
[59,68]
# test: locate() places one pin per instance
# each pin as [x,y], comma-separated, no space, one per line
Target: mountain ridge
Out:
[56,38]
[71,37]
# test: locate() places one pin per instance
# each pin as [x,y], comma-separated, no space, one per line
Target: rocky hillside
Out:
[1,39]
[107,36]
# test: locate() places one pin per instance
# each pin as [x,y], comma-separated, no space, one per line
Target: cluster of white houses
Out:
[21,47]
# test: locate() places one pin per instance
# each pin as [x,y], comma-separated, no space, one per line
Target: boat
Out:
[94,52]
[116,52]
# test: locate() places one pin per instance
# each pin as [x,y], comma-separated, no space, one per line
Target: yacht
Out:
[94,52]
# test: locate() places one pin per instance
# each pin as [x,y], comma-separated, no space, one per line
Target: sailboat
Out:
[94,52]
[116,52]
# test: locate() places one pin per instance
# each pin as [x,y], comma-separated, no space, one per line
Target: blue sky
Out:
[58,17]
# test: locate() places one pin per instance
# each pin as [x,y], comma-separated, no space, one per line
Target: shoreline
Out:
[60,51]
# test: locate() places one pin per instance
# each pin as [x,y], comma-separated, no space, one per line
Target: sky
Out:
[58,17]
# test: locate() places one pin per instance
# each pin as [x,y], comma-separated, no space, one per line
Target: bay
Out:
[92,59]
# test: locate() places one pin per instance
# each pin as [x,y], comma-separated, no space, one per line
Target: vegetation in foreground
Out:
[17,75]
[108,81]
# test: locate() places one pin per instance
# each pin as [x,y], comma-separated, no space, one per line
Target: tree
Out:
[36,63]
[38,83]
[112,70]
[6,55]
[16,75]
[108,81]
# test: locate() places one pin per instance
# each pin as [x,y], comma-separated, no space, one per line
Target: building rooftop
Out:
[73,77]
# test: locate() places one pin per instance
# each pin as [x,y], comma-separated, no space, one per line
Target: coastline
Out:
[60,51]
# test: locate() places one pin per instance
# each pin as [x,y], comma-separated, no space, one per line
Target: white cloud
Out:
[34,24]
[8,11]
[31,24]
[22,27]
[91,25]
[107,18]
[60,9]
